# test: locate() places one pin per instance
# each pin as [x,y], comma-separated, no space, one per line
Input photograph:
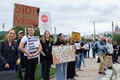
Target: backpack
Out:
[96,47]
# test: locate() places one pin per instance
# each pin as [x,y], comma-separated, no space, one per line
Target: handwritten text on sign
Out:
[62,54]
[25,16]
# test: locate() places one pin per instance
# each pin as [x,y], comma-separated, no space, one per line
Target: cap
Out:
[20,32]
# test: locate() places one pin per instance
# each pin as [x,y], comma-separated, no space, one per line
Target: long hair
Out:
[43,37]
[70,41]
[8,33]
[59,37]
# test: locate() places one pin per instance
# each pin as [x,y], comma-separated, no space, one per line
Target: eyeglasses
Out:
[12,33]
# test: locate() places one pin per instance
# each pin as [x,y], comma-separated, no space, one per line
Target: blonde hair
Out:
[8,33]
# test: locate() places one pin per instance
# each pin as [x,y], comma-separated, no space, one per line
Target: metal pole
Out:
[55,34]
[94,31]
[25,31]
[112,26]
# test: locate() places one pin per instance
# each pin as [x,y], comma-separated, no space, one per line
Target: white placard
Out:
[33,44]
[45,23]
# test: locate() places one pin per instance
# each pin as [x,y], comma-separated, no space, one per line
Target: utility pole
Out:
[112,26]
[3,26]
[55,34]
[94,31]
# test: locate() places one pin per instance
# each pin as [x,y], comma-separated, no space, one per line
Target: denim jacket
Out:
[102,50]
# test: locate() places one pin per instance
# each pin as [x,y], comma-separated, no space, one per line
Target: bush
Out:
[116,37]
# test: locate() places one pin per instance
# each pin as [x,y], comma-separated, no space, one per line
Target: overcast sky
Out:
[69,15]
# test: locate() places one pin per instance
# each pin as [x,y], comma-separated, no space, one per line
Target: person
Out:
[46,55]
[61,69]
[21,66]
[87,48]
[101,54]
[119,50]
[93,45]
[115,50]
[80,57]
[9,53]
[109,49]
[31,52]
[71,66]
[82,51]
[118,54]
[20,36]
[77,48]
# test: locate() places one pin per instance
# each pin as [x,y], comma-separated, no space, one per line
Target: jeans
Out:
[93,52]
[19,71]
[87,53]
[41,71]
[80,58]
[61,70]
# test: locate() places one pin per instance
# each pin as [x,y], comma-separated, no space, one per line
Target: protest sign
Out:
[62,54]
[45,23]
[75,36]
[25,16]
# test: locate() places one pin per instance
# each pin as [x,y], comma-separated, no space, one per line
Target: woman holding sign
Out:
[46,55]
[61,68]
[71,66]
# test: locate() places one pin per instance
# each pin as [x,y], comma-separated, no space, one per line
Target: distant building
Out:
[117,29]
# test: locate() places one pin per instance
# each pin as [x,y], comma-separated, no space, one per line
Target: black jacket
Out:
[8,54]
[47,49]
[59,43]
[81,49]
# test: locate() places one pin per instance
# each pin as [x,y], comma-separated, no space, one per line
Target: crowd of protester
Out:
[15,55]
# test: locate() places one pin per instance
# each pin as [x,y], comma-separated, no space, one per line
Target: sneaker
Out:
[76,75]
[100,72]
[104,73]
[80,70]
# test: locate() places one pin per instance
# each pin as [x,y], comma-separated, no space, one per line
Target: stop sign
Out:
[44,18]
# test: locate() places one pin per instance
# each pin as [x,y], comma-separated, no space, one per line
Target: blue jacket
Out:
[102,50]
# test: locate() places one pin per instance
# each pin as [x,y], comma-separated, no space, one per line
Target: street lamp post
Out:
[55,34]
[94,31]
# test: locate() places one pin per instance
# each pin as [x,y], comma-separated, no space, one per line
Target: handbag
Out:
[8,75]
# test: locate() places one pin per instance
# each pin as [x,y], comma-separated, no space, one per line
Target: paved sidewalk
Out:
[90,72]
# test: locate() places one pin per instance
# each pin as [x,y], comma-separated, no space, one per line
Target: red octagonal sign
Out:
[44,18]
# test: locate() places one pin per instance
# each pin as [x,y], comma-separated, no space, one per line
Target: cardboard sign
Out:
[25,16]
[33,44]
[108,61]
[63,54]
[45,23]
[76,36]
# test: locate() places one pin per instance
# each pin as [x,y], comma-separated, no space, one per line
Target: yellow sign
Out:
[76,36]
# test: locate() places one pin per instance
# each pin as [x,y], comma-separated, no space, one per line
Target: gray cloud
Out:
[69,15]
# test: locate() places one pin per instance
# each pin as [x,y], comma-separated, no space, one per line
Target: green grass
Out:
[37,75]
